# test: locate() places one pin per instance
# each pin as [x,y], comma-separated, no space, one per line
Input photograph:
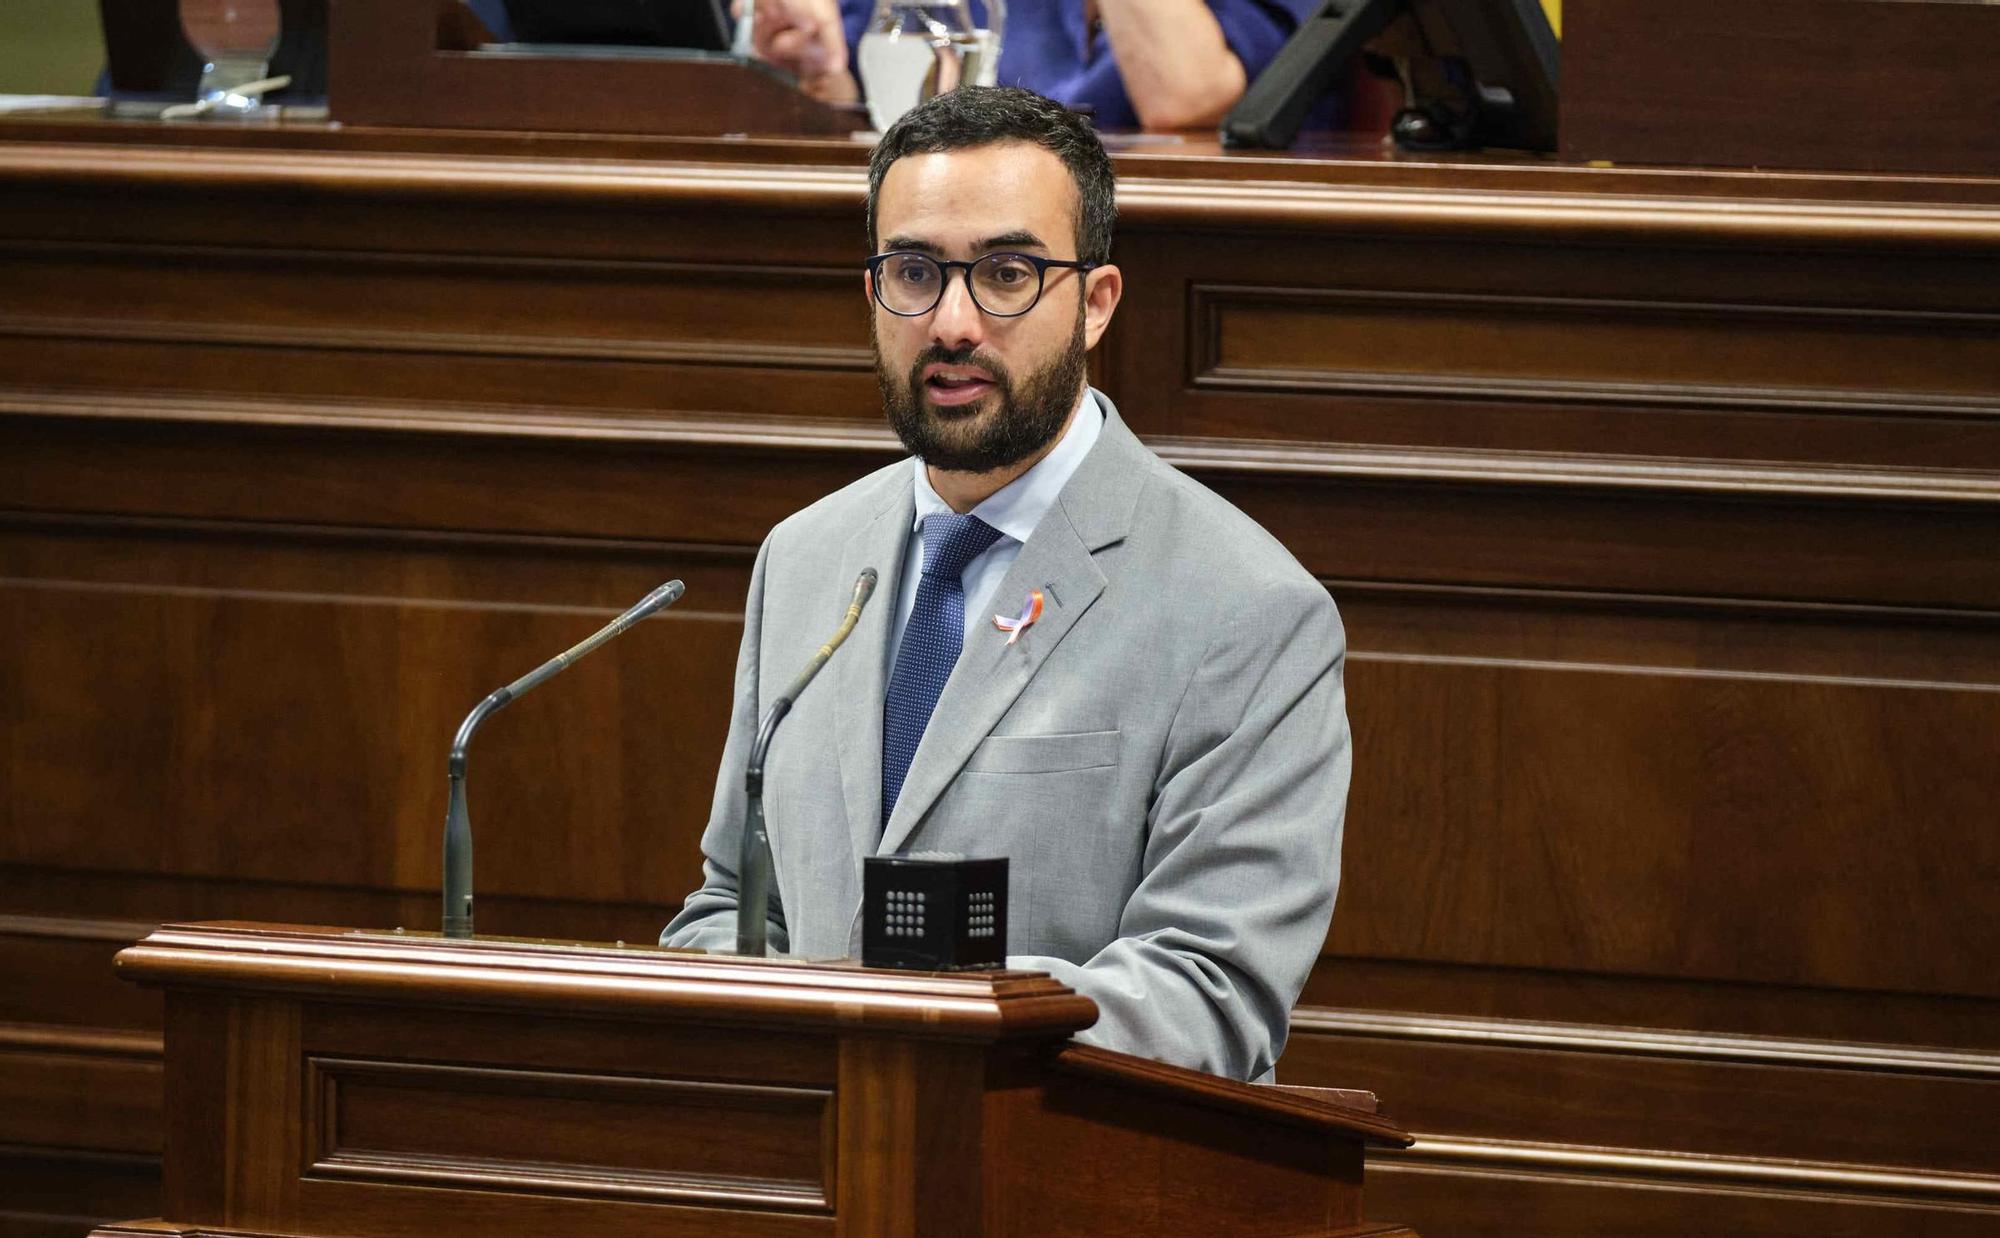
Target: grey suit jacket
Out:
[1163,756]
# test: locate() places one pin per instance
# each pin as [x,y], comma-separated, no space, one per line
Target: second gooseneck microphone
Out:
[753,869]
[457,826]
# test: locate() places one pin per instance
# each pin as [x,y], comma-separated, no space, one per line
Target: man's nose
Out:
[956,322]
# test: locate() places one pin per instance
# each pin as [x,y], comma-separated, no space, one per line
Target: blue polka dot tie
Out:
[931,643]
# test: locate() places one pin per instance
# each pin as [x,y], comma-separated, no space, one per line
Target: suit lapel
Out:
[1093,511]
[861,673]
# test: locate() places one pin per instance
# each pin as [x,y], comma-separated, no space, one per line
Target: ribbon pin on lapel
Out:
[1031,610]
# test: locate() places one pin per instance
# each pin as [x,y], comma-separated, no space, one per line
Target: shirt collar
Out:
[1017,507]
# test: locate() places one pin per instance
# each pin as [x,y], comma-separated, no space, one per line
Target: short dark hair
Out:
[981,115]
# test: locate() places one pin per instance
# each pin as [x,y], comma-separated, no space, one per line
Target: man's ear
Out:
[1101,290]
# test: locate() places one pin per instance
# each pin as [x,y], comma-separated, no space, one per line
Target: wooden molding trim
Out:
[1574,471]
[467,1174]
[346,535]
[833,276]
[128,1162]
[74,928]
[1703,397]
[195,170]
[1209,303]
[636,981]
[460,605]
[79,1041]
[1690,1170]
[1645,1042]
[799,357]
[1144,202]
[734,432]
[1202,456]
[327,1155]
[1517,216]
[1718,674]
[1293,1106]
[1648,603]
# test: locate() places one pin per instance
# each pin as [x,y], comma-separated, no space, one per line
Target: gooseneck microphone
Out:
[753,868]
[457,828]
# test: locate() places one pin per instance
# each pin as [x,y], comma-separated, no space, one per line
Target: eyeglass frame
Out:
[947,265]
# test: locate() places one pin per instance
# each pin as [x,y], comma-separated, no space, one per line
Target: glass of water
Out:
[236,39]
[911,52]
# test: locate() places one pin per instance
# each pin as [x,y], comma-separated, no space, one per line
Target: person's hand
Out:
[805,38]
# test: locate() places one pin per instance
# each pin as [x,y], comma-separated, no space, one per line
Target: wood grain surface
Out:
[502,1094]
[1660,507]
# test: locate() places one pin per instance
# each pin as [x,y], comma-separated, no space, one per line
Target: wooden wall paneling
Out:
[396,63]
[432,1126]
[61,1193]
[1466,1198]
[1347,985]
[1656,83]
[1747,1134]
[1049,1181]
[1765,706]
[321,191]
[480,331]
[605,487]
[1782,352]
[1257,336]
[1660,508]
[181,898]
[412,1120]
[227,670]
[1581,534]
[79,1077]
[926,1143]
[1726,1096]
[1743,821]
[80,1088]
[55,971]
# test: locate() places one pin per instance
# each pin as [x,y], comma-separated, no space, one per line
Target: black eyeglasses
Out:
[1003,285]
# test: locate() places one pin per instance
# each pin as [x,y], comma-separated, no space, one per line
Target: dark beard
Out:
[1027,420]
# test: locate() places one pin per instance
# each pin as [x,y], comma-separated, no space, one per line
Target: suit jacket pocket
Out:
[1043,754]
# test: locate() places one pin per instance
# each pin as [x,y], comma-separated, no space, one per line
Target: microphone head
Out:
[659,599]
[865,585]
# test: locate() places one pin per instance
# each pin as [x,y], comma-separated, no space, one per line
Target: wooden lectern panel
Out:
[413,63]
[340,1082]
[1872,85]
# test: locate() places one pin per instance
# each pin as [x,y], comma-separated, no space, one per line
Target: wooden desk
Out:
[1661,506]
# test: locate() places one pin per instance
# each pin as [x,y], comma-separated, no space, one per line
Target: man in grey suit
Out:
[1087,662]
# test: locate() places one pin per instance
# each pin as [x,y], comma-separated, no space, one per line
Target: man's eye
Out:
[914,273]
[1008,273]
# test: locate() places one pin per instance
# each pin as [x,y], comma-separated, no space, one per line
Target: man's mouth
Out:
[956,384]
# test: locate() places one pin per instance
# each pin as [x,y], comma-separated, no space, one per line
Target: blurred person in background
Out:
[1154,64]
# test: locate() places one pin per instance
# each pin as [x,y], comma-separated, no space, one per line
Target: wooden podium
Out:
[341,1082]
[415,64]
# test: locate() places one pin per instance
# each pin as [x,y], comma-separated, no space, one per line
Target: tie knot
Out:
[951,541]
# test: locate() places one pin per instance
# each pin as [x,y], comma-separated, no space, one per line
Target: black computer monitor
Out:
[699,24]
[1496,64]
[1484,73]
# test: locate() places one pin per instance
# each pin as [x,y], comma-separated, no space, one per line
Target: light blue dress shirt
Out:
[1014,509]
